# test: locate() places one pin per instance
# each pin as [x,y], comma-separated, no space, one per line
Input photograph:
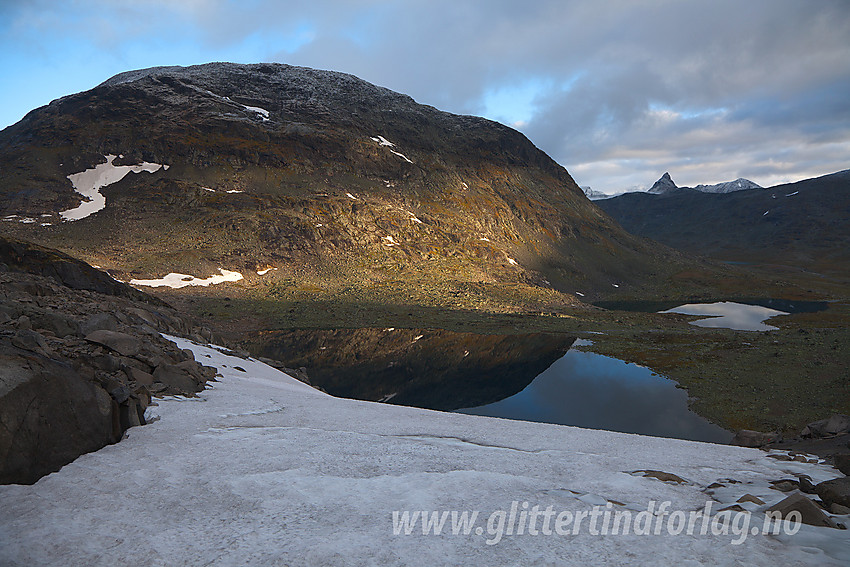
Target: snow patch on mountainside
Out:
[176,281]
[88,183]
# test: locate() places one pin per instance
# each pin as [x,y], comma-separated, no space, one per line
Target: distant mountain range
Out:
[665,184]
[804,224]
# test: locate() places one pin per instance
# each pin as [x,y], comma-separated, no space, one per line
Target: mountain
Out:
[665,184]
[804,224]
[739,184]
[287,178]
[593,194]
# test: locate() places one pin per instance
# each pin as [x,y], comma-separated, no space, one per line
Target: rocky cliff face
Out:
[81,358]
[309,172]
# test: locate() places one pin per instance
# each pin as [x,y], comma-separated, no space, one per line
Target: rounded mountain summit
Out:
[306,178]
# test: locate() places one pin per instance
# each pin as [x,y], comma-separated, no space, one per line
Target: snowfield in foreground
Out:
[264,470]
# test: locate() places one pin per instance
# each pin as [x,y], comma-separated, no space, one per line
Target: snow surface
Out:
[88,183]
[265,271]
[264,470]
[729,315]
[175,280]
[264,114]
[384,142]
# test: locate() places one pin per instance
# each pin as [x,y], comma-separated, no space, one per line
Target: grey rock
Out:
[842,462]
[748,438]
[122,343]
[836,491]
[176,379]
[834,425]
[49,416]
[131,414]
[120,393]
[58,324]
[806,485]
[24,323]
[809,511]
[839,510]
[138,376]
[31,341]
[99,322]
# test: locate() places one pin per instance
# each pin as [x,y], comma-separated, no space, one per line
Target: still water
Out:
[599,392]
[533,377]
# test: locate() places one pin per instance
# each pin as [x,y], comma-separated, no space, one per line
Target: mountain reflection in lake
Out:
[532,377]
[599,392]
[428,368]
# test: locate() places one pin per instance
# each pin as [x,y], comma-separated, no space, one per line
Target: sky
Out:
[616,91]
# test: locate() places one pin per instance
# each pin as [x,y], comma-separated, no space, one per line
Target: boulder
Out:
[138,376]
[99,322]
[178,380]
[842,462]
[834,425]
[30,341]
[49,416]
[58,324]
[122,343]
[748,438]
[810,512]
[836,491]
[132,414]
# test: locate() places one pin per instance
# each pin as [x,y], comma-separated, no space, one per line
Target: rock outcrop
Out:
[79,366]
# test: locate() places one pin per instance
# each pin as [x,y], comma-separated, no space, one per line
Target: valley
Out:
[269,201]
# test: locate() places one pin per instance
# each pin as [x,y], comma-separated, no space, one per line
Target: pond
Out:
[533,377]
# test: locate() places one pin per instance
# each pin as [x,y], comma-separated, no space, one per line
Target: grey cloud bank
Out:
[618,92]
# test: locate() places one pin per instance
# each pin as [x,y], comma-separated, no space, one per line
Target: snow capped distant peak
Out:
[595,195]
[664,184]
[739,184]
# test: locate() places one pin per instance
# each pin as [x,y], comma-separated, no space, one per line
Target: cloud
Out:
[617,91]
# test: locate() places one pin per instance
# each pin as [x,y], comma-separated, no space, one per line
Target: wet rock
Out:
[836,491]
[810,512]
[121,343]
[748,438]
